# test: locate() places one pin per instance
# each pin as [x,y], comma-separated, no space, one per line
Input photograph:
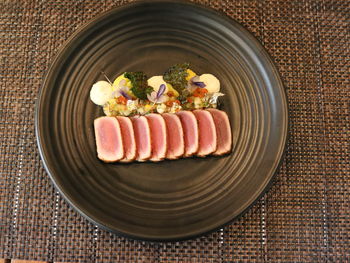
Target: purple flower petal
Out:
[125,95]
[195,81]
[199,84]
[161,90]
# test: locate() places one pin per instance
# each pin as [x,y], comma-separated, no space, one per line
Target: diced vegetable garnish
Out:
[179,89]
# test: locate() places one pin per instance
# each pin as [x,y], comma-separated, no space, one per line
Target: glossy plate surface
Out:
[169,200]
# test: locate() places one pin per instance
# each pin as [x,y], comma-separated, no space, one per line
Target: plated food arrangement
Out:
[167,200]
[163,117]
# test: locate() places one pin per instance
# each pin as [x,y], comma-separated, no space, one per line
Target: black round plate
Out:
[169,200]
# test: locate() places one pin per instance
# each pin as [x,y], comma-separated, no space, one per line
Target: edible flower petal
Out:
[158,97]
[122,91]
[122,83]
[199,84]
[125,95]
[196,81]
[161,91]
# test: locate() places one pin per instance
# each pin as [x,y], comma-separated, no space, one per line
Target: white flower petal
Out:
[162,99]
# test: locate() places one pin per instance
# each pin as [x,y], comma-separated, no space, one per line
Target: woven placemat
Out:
[304,217]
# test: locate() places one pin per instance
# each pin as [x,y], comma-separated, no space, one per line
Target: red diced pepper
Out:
[122,100]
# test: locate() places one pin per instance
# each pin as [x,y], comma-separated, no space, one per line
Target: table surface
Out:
[305,216]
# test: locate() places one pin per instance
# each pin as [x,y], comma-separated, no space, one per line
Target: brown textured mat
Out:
[304,217]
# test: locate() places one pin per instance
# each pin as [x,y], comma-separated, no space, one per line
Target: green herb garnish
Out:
[139,84]
[176,76]
[183,96]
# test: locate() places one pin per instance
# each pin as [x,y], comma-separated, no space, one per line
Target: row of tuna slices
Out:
[158,136]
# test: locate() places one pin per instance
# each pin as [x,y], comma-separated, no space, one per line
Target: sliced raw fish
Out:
[175,136]
[109,141]
[190,129]
[142,138]
[207,133]
[127,131]
[223,131]
[158,136]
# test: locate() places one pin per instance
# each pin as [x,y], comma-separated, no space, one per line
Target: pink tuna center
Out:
[173,131]
[108,136]
[189,130]
[126,136]
[157,136]
[206,133]
[141,136]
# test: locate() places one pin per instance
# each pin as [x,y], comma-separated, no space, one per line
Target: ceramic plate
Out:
[169,200]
